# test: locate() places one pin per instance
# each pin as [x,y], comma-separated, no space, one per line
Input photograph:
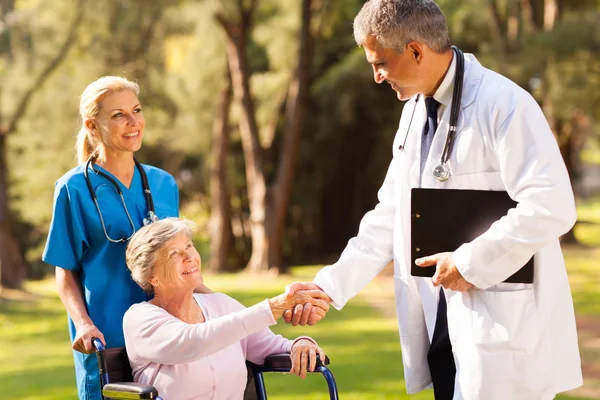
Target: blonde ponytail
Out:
[89,106]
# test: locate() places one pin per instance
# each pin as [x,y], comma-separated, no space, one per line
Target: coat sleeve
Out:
[534,174]
[154,335]
[368,252]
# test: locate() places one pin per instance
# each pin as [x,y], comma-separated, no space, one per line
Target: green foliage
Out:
[177,52]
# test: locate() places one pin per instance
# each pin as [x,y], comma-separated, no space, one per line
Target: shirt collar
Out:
[444,92]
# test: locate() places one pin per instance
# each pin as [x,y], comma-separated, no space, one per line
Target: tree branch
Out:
[46,72]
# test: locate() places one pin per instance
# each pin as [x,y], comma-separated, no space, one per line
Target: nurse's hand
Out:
[446,273]
[83,338]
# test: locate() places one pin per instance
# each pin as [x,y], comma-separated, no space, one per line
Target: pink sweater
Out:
[200,361]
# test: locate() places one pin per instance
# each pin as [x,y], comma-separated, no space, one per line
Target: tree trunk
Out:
[12,266]
[294,123]
[550,14]
[221,234]
[255,180]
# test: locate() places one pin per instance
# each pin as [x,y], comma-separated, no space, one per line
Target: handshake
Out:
[302,303]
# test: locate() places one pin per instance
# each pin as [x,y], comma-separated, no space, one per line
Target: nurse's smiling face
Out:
[119,123]
[178,266]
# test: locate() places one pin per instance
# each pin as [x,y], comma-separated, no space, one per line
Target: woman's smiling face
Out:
[119,123]
[178,266]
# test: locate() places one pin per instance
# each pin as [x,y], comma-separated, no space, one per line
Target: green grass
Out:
[36,361]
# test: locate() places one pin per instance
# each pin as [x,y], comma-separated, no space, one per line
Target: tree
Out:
[221,235]
[12,269]
[547,46]
[268,204]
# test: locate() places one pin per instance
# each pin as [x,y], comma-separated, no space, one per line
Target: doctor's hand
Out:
[83,338]
[314,299]
[304,314]
[446,273]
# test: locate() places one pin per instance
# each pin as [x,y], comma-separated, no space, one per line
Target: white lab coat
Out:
[510,341]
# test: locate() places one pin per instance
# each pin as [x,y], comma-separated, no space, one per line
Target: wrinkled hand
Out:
[311,299]
[83,338]
[304,314]
[304,357]
[446,273]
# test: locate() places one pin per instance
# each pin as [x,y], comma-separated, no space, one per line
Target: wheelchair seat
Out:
[116,378]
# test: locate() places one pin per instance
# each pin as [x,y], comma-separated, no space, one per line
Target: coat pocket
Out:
[505,321]
[408,309]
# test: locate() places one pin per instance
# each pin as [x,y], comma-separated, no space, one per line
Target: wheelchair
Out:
[116,375]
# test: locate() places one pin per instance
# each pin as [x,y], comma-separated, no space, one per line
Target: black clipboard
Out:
[443,219]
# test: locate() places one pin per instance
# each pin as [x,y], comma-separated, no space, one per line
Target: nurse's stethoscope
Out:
[151,217]
[441,172]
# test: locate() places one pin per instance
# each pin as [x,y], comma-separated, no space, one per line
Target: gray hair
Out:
[395,23]
[142,251]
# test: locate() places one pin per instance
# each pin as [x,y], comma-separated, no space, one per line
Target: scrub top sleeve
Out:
[66,242]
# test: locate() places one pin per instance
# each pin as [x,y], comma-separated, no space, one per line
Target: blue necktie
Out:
[429,129]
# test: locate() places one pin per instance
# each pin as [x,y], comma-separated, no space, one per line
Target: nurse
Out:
[87,238]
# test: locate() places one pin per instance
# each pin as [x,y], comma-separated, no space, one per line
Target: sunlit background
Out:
[315,105]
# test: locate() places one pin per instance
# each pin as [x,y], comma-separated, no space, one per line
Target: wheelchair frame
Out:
[273,363]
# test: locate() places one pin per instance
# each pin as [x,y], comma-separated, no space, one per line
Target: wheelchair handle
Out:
[97,343]
[102,367]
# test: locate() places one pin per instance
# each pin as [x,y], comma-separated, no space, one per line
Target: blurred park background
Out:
[265,107]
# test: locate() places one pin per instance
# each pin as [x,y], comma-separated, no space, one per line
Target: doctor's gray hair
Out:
[89,106]
[395,23]
[143,250]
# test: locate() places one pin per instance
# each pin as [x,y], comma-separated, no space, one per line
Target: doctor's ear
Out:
[415,51]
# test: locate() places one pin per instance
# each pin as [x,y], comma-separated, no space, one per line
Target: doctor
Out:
[473,336]
[98,205]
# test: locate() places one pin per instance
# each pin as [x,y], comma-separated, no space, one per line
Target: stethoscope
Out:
[151,217]
[441,172]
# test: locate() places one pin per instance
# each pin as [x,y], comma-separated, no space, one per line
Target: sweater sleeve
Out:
[264,343]
[154,335]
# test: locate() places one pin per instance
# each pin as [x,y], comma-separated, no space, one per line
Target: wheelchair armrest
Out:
[282,361]
[129,390]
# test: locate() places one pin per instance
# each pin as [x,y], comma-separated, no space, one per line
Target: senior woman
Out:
[194,346]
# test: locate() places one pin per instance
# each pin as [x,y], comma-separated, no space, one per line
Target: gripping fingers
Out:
[295,357]
[306,312]
[321,354]
[287,316]
[312,359]
[315,316]
[303,365]
[320,303]
[297,314]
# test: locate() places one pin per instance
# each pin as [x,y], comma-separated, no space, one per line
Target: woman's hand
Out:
[316,298]
[304,357]
[83,338]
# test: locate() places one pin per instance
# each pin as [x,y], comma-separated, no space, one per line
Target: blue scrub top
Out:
[76,242]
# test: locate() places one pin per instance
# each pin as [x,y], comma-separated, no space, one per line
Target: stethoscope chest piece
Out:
[441,172]
[150,218]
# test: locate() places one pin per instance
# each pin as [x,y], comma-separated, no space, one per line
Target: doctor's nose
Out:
[378,76]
